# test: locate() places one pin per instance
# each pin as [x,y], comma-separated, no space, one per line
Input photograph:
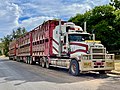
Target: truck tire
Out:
[43,62]
[26,61]
[29,58]
[17,59]
[47,64]
[13,58]
[40,61]
[74,68]
[31,61]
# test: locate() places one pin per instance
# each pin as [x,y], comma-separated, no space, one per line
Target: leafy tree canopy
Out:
[104,21]
[115,4]
[6,39]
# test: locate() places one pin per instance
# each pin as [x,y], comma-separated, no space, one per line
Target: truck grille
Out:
[98,56]
[95,50]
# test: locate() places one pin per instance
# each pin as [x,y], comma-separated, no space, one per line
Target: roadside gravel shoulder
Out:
[117,68]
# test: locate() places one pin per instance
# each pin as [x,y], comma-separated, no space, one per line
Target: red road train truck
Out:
[62,44]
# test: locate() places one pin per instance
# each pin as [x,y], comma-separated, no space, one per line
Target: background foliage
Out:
[104,21]
[8,38]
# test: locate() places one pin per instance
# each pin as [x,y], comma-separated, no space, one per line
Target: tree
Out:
[8,38]
[115,4]
[104,22]
[5,42]
[1,48]
[19,32]
[117,21]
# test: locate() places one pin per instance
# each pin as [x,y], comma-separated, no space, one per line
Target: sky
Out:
[31,13]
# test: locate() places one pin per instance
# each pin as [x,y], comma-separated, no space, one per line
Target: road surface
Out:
[20,76]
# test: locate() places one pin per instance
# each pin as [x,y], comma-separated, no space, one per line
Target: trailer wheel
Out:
[43,64]
[17,60]
[40,61]
[26,61]
[31,61]
[47,64]
[13,58]
[74,68]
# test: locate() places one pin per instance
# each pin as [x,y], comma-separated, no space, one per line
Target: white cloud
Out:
[97,2]
[13,13]
[59,8]
[9,15]
[33,22]
[58,12]
[74,8]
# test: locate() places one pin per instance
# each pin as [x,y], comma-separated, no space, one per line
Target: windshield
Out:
[79,37]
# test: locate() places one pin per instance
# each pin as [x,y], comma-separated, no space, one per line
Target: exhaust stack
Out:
[85,27]
[60,45]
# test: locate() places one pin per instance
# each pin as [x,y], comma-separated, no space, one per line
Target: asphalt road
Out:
[20,76]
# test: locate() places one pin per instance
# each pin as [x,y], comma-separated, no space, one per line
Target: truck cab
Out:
[85,53]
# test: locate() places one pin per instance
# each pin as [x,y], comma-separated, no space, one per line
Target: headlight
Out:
[108,56]
[85,57]
[87,64]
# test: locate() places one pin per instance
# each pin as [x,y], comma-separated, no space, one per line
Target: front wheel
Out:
[74,68]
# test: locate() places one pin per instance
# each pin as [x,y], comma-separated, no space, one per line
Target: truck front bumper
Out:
[98,65]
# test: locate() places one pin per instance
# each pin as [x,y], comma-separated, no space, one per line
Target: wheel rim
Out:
[73,68]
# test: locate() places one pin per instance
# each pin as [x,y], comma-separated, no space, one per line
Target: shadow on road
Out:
[95,75]
[4,60]
[16,71]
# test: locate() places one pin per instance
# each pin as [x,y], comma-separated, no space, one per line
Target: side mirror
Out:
[67,28]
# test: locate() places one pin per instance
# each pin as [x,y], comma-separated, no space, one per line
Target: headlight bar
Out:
[110,56]
[88,57]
